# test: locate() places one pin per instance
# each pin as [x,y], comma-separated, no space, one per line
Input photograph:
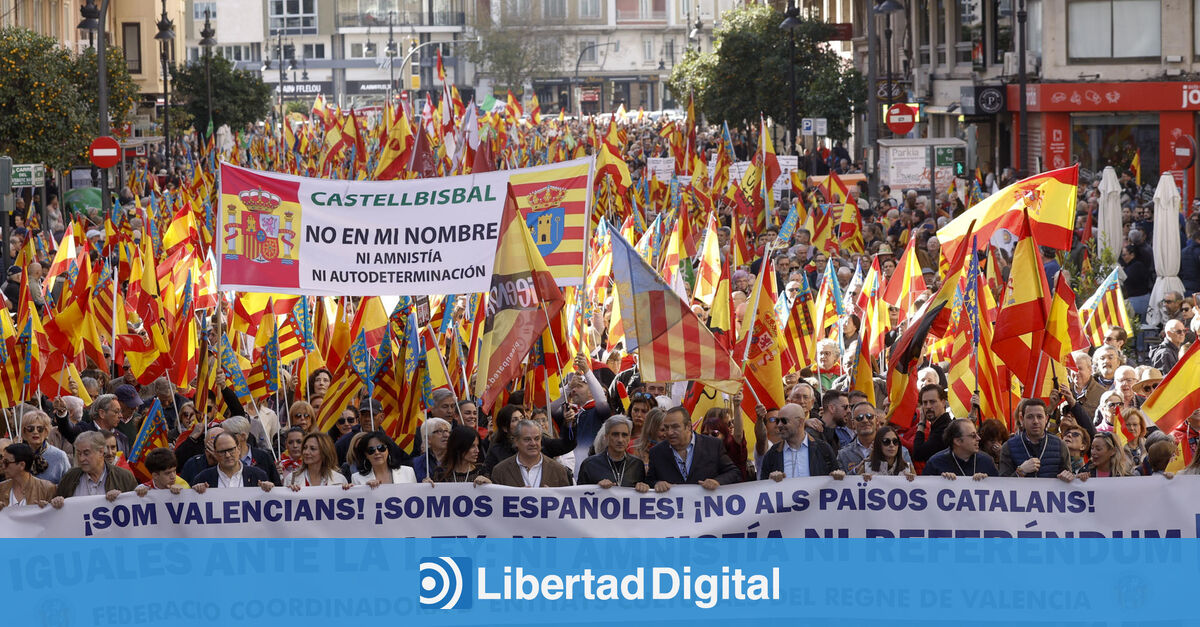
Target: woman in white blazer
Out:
[385,460]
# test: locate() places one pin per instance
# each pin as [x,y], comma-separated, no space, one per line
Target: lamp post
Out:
[872,110]
[166,34]
[1023,131]
[790,22]
[207,40]
[888,7]
[391,53]
[93,20]
[91,23]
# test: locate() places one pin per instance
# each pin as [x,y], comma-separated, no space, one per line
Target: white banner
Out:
[820,507]
[296,235]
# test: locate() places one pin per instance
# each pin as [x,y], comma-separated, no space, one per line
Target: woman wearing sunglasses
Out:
[1107,459]
[383,456]
[888,457]
[302,415]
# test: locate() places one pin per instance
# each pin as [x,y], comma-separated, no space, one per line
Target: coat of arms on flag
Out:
[259,231]
[546,218]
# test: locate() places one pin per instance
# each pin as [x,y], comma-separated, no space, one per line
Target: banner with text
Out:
[885,507]
[295,235]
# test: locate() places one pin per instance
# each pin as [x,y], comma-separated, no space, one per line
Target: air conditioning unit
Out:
[1032,63]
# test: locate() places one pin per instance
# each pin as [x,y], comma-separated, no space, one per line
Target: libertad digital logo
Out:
[443,580]
[446,584]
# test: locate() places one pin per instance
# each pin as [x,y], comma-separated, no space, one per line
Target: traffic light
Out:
[960,163]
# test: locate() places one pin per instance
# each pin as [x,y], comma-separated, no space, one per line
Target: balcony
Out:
[402,19]
[374,20]
[628,16]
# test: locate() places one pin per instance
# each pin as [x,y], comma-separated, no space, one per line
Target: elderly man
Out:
[1165,355]
[797,454]
[1087,389]
[614,466]
[251,455]
[687,457]
[92,476]
[230,472]
[529,468]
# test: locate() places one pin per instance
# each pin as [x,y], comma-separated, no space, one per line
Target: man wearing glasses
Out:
[797,454]
[963,458]
[1165,355]
[865,422]
[230,472]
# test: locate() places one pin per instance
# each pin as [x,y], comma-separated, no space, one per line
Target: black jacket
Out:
[709,461]
[251,477]
[599,467]
[926,443]
[821,459]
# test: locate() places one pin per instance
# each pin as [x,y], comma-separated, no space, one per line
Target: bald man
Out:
[796,454]
[1165,355]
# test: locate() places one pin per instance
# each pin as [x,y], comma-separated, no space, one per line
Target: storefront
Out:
[1102,124]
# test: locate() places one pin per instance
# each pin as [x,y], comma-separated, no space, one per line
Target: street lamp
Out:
[90,22]
[791,21]
[391,54]
[207,40]
[166,34]
[582,51]
[888,7]
[1022,97]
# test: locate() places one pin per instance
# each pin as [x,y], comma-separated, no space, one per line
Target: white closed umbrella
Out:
[1109,235]
[1166,246]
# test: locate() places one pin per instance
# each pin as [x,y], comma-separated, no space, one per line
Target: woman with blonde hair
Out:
[1107,460]
[301,414]
[318,464]
[652,433]
[1135,448]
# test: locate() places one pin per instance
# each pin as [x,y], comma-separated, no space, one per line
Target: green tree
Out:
[122,91]
[239,97]
[42,116]
[746,74]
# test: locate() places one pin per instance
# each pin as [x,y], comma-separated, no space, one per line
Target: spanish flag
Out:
[1136,167]
[1177,396]
[1048,198]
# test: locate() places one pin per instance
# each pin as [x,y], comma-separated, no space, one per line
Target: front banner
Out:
[888,507]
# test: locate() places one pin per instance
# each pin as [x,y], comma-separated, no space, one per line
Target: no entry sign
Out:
[104,152]
[901,118]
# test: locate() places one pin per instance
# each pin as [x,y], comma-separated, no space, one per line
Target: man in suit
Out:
[230,472]
[529,468]
[797,454]
[686,457]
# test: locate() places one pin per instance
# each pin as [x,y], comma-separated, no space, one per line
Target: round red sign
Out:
[105,152]
[900,118]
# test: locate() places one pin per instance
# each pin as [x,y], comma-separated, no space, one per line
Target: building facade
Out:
[1106,80]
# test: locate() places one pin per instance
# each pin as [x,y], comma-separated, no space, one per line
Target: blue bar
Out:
[465,581]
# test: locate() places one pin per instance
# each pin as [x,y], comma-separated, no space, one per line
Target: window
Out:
[554,9]
[519,8]
[591,8]
[587,50]
[294,17]
[550,54]
[1114,29]
[648,50]
[363,51]
[199,7]
[131,43]
[314,51]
